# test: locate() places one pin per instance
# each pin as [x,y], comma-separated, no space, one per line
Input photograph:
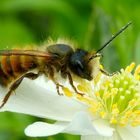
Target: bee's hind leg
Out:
[15,85]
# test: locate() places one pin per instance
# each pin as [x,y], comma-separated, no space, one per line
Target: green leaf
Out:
[12,32]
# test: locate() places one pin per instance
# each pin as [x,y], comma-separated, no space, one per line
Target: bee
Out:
[15,65]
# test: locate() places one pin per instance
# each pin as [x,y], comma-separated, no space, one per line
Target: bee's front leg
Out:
[72,84]
[107,74]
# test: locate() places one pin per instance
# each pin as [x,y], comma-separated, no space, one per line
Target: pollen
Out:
[67,92]
[102,114]
[82,88]
[130,67]
[137,73]
[113,120]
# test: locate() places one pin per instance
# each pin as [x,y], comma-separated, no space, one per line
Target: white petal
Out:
[91,137]
[81,124]
[94,137]
[103,128]
[126,134]
[115,136]
[135,131]
[41,129]
[32,97]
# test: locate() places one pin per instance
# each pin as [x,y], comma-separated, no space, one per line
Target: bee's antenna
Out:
[114,36]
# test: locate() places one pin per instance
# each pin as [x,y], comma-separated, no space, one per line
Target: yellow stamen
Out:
[106,95]
[114,91]
[107,83]
[130,68]
[101,66]
[97,94]
[132,103]
[85,89]
[82,88]
[94,108]
[67,92]
[102,114]
[123,121]
[115,110]
[84,99]
[97,78]
[128,113]
[137,73]
[137,112]
[113,120]
[135,123]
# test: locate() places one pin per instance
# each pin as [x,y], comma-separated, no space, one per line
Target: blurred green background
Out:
[88,22]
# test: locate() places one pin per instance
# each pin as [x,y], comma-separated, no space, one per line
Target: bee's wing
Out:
[28,53]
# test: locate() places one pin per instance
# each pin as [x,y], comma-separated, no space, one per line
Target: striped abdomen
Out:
[13,66]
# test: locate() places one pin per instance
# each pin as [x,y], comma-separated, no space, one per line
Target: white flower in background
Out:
[109,110]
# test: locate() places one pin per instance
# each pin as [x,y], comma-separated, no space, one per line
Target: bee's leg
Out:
[106,73]
[58,87]
[72,84]
[15,85]
[49,71]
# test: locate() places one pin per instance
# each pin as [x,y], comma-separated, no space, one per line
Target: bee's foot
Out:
[61,94]
[82,94]
[57,87]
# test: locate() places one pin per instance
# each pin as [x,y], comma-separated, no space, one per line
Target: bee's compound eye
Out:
[79,64]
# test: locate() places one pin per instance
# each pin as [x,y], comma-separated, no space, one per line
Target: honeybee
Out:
[15,65]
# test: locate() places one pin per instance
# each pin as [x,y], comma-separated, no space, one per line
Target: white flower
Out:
[109,110]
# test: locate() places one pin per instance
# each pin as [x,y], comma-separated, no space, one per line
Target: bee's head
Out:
[84,64]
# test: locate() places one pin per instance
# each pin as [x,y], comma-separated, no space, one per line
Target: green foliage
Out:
[88,22]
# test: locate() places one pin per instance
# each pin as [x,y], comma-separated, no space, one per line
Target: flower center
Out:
[115,98]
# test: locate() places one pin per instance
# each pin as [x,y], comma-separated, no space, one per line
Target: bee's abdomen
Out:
[13,66]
